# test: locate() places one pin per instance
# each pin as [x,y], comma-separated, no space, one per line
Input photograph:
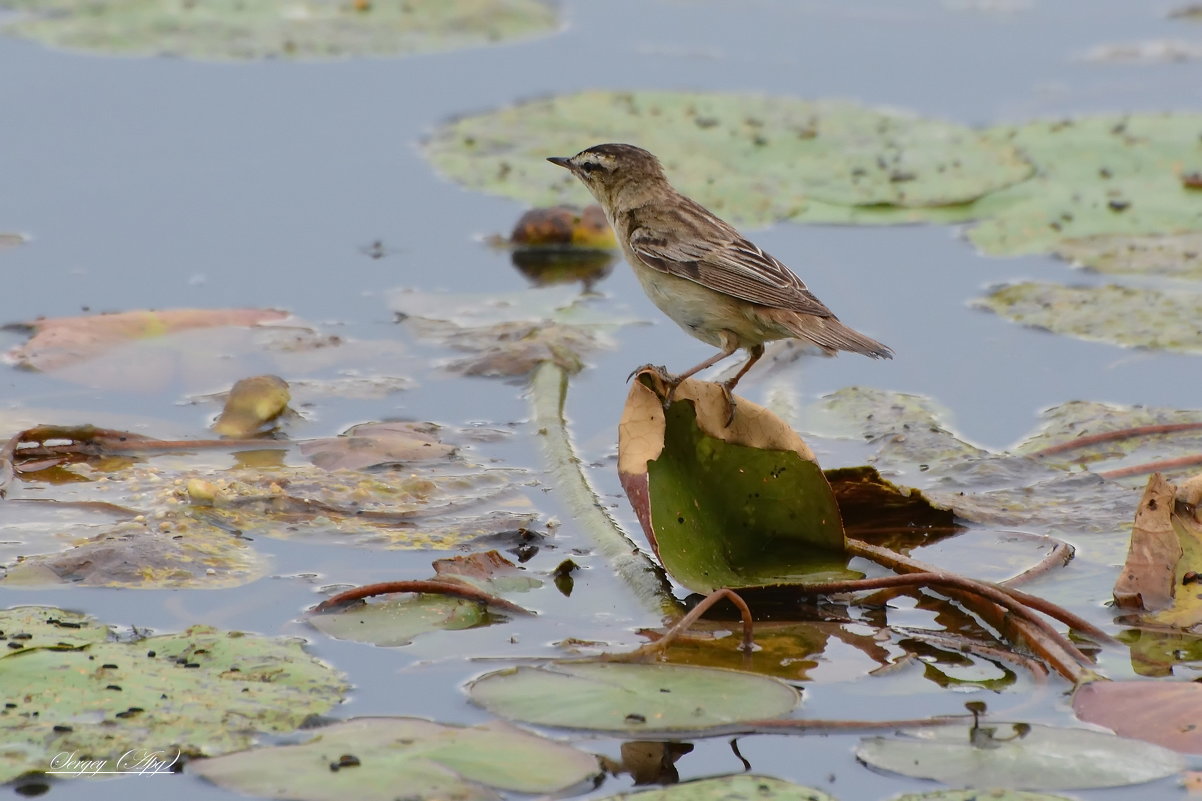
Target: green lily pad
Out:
[382,759]
[751,158]
[203,691]
[728,788]
[1127,316]
[1106,175]
[631,698]
[1044,758]
[45,627]
[398,621]
[299,29]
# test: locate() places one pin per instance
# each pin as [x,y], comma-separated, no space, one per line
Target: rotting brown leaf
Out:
[1146,582]
[61,341]
[1161,712]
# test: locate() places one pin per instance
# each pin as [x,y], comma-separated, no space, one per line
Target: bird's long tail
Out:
[830,333]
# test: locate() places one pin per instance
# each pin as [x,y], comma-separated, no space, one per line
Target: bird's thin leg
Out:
[754,353]
[729,346]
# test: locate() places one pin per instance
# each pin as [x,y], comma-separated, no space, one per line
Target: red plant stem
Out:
[428,586]
[1110,436]
[678,628]
[1152,467]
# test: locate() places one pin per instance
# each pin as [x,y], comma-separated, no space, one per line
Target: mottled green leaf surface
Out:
[382,759]
[1112,175]
[981,795]
[1120,315]
[301,29]
[730,515]
[202,691]
[1045,758]
[634,698]
[751,158]
[728,788]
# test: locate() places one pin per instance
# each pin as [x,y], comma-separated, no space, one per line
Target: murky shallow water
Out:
[161,183]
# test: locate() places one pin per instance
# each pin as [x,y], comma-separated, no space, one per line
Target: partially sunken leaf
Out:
[725,506]
[728,788]
[1044,758]
[399,618]
[632,698]
[376,444]
[46,627]
[1106,175]
[751,158]
[200,692]
[252,405]
[1138,318]
[374,759]
[1161,712]
[300,29]
[1174,255]
[508,335]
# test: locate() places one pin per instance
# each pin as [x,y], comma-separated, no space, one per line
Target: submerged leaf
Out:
[252,404]
[1044,758]
[613,696]
[1141,318]
[370,759]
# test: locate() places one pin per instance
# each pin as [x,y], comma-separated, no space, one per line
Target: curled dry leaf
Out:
[725,506]
[1146,581]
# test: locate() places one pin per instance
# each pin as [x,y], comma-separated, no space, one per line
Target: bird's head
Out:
[607,170]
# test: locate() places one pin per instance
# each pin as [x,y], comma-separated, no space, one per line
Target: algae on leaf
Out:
[199,692]
[224,30]
[1137,318]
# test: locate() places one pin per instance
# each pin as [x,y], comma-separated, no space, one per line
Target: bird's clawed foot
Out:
[662,382]
[731,403]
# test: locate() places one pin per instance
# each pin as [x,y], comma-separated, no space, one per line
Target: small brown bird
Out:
[700,271]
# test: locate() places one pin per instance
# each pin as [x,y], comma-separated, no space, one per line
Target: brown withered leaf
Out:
[62,341]
[564,225]
[1146,582]
[1162,712]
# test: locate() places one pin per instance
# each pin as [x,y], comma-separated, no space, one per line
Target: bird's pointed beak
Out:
[561,161]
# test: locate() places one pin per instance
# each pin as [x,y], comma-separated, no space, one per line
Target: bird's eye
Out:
[590,166]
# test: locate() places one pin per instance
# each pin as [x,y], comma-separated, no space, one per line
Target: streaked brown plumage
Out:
[714,283]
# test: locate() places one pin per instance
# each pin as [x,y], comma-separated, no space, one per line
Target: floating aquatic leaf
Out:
[370,758]
[1161,712]
[726,506]
[751,158]
[1105,175]
[300,29]
[1138,318]
[981,795]
[200,692]
[728,788]
[1044,758]
[1174,255]
[612,696]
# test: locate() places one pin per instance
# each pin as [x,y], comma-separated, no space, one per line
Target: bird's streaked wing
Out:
[732,265]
